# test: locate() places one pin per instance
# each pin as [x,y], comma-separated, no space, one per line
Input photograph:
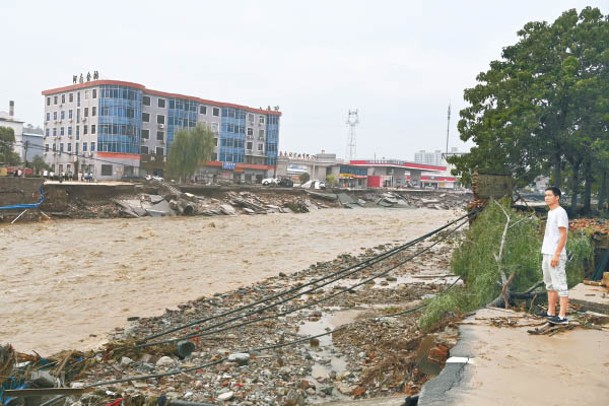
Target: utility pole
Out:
[447,128]
[352,121]
[26,145]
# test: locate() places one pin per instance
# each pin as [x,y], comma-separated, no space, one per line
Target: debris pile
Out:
[262,355]
[168,200]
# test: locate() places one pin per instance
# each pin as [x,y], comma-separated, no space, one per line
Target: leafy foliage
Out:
[7,141]
[543,106]
[476,261]
[189,148]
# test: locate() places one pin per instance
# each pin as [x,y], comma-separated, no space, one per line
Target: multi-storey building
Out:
[114,129]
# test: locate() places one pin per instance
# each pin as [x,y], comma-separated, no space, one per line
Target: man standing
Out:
[555,257]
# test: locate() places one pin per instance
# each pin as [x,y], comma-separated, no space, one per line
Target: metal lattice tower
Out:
[352,121]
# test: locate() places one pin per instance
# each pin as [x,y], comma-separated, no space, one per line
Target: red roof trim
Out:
[403,164]
[95,83]
[117,155]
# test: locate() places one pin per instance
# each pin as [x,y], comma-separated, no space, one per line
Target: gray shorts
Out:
[555,278]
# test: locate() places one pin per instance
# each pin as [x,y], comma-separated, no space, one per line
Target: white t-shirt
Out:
[556,218]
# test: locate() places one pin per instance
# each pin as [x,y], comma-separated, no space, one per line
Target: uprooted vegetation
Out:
[499,262]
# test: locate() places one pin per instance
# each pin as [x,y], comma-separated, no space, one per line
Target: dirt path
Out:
[64,284]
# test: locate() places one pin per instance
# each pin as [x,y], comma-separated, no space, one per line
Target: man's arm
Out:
[561,244]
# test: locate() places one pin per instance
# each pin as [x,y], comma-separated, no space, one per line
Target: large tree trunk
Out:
[556,164]
[575,185]
[602,194]
[588,187]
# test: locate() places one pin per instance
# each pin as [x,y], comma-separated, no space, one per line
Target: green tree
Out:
[190,147]
[304,177]
[543,107]
[331,180]
[38,164]
[7,141]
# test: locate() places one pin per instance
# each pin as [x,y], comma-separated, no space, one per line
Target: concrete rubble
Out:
[158,198]
[279,360]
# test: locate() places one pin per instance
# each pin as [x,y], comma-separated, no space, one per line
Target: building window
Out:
[86,94]
[214,127]
[160,135]
[54,132]
[55,115]
[146,117]
[63,98]
[70,114]
[145,134]
[86,112]
[48,101]
[146,100]
[63,114]
[95,93]
[92,146]
[93,111]
[261,135]
[69,131]
[46,147]
[261,119]
[85,129]
[69,147]
[144,150]
[160,151]
[78,115]
[77,132]
[76,148]
[92,128]
[260,147]
[248,145]
[71,97]
[215,112]
[46,132]
[48,116]
[61,147]
[54,99]
[203,110]
[161,103]
[84,147]
[216,142]
[61,131]
[54,147]
[160,119]
[250,118]
[106,170]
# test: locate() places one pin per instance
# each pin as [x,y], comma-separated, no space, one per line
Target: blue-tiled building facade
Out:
[114,128]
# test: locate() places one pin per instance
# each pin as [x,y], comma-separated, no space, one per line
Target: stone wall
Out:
[19,190]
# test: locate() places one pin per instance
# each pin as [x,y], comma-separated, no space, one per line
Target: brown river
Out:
[65,284]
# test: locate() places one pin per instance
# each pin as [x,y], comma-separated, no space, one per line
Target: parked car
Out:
[286,182]
[270,181]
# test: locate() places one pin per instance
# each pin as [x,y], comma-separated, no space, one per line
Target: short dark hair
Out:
[555,191]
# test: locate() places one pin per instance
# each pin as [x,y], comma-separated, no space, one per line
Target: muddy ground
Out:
[76,280]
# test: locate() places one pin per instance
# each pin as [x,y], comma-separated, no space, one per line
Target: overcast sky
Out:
[399,63]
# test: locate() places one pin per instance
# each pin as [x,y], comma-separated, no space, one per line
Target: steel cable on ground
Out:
[250,350]
[341,291]
[339,275]
[389,254]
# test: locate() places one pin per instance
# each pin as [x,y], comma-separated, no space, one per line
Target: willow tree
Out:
[543,106]
[189,149]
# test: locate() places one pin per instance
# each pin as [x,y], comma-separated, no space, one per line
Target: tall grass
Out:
[478,263]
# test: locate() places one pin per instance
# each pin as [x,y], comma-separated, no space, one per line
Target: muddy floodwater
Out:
[65,284]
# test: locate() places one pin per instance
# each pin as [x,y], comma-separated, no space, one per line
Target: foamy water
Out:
[65,284]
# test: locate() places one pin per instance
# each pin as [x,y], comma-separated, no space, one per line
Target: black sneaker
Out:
[558,320]
[546,315]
